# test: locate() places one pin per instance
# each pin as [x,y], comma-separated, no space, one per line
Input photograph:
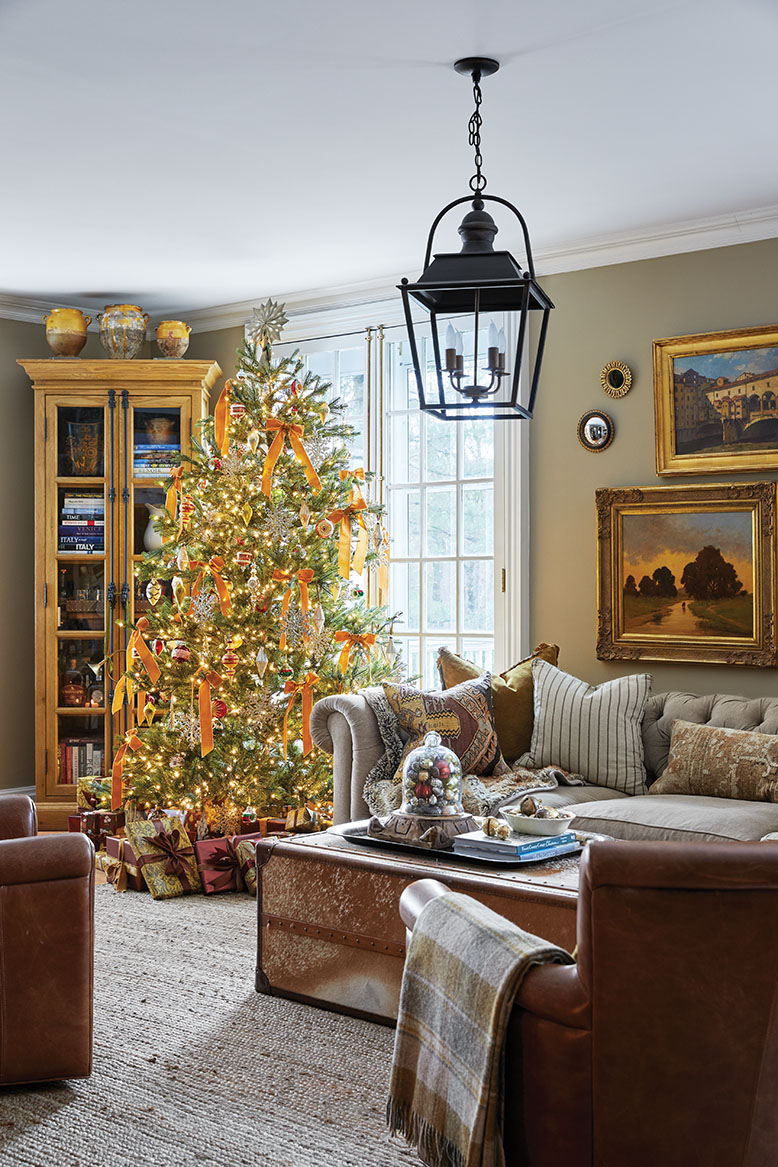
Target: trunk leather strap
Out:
[334,935]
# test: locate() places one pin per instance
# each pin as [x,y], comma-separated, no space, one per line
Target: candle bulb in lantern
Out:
[501,347]
[451,349]
[459,351]
[493,355]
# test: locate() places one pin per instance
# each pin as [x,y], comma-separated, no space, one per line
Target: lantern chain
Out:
[477,182]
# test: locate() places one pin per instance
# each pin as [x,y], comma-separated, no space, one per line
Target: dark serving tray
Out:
[357,833]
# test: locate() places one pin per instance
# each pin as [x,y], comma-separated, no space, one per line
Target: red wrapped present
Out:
[111,821]
[218,865]
[121,865]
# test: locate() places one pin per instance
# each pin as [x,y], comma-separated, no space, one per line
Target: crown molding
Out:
[311,313]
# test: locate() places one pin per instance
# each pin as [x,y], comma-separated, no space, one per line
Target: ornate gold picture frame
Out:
[716,402]
[686,573]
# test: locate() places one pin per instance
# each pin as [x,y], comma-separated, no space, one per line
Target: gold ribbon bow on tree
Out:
[304,577]
[356,478]
[209,680]
[131,742]
[305,689]
[221,418]
[136,643]
[174,496]
[294,432]
[351,640]
[215,566]
[345,516]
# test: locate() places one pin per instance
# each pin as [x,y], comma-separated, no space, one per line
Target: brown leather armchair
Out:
[46,949]
[660,1047]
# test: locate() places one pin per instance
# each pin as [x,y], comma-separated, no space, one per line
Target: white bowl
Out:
[522,824]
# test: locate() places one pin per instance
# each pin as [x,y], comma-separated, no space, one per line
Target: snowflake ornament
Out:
[258,709]
[203,607]
[295,625]
[187,726]
[233,464]
[279,521]
[318,449]
[266,324]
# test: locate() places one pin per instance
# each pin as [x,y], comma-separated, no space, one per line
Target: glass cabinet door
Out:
[78,573]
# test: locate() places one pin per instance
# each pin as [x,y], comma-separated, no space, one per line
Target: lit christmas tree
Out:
[257,605]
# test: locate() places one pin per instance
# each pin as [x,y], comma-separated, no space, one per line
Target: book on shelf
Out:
[476,842]
[155,447]
[80,758]
[80,501]
[82,521]
[77,530]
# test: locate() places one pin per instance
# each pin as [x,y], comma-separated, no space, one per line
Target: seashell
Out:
[530,806]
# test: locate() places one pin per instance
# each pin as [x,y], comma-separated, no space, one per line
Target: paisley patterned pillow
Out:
[721,763]
[463,717]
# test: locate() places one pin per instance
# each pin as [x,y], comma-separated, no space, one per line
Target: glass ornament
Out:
[432,780]
[153,591]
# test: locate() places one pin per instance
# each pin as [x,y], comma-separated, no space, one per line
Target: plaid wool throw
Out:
[463,969]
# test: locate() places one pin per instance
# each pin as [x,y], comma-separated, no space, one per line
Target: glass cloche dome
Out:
[432,780]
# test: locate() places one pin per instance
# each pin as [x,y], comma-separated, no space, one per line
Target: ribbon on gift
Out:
[136,643]
[215,566]
[345,516]
[174,495]
[221,418]
[305,690]
[356,478]
[304,578]
[131,742]
[247,847]
[227,865]
[294,432]
[208,681]
[117,869]
[351,640]
[173,855]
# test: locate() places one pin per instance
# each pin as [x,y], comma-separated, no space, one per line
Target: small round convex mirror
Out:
[595,431]
[616,378]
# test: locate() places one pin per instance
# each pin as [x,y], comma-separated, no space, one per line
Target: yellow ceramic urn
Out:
[66,331]
[122,330]
[173,338]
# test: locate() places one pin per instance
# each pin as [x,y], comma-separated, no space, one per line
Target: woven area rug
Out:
[193,1067]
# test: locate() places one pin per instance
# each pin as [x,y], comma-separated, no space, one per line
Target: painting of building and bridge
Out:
[726,401]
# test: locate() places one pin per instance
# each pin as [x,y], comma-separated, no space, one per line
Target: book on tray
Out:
[518,846]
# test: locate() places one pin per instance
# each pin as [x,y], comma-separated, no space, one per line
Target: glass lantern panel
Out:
[80,597]
[80,747]
[81,520]
[156,439]
[80,442]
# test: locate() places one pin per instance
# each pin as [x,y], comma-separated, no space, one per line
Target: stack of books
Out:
[516,848]
[80,758]
[82,523]
[155,461]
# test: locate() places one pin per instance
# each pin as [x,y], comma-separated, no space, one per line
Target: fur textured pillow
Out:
[511,694]
[462,716]
[720,763]
[591,730]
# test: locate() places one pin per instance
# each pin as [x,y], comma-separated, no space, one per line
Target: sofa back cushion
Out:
[662,709]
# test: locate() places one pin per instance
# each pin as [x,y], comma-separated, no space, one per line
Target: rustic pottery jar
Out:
[66,331]
[122,330]
[173,338]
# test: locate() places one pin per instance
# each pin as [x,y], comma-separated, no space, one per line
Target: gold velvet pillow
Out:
[512,694]
[720,763]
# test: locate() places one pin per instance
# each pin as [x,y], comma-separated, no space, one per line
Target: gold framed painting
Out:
[686,573]
[716,402]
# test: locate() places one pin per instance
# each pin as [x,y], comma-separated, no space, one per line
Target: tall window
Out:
[345,369]
[440,496]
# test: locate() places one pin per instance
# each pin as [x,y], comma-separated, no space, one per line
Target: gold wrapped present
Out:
[165,856]
[93,793]
[246,851]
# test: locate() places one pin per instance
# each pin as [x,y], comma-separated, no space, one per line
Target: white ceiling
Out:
[184,154]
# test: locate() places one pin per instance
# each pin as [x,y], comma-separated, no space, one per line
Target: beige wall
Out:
[221,346]
[614,313]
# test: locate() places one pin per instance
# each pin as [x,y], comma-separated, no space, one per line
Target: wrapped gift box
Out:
[218,864]
[93,793]
[121,865]
[165,856]
[246,851]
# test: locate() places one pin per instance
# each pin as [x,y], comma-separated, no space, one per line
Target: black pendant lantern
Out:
[471,288]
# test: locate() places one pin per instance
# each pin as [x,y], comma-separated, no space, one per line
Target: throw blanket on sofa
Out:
[445,1093]
[480,796]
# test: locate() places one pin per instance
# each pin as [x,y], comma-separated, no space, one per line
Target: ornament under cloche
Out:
[431,814]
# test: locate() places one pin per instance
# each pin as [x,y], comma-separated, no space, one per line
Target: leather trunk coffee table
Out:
[329,928]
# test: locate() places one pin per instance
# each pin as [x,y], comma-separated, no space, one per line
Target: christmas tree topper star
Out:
[266,324]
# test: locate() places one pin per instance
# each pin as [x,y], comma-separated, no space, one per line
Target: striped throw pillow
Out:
[592,730]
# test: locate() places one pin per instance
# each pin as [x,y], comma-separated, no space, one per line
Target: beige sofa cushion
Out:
[573,795]
[678,817]
[722,763]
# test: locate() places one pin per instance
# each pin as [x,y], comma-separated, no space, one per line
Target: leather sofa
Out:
[660,1046]
[345,726]
[46,949]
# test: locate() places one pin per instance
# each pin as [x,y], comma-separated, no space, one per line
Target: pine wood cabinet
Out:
[105,434]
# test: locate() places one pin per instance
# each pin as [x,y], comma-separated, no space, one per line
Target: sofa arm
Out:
[345,726]
[17,816]
[47,926]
